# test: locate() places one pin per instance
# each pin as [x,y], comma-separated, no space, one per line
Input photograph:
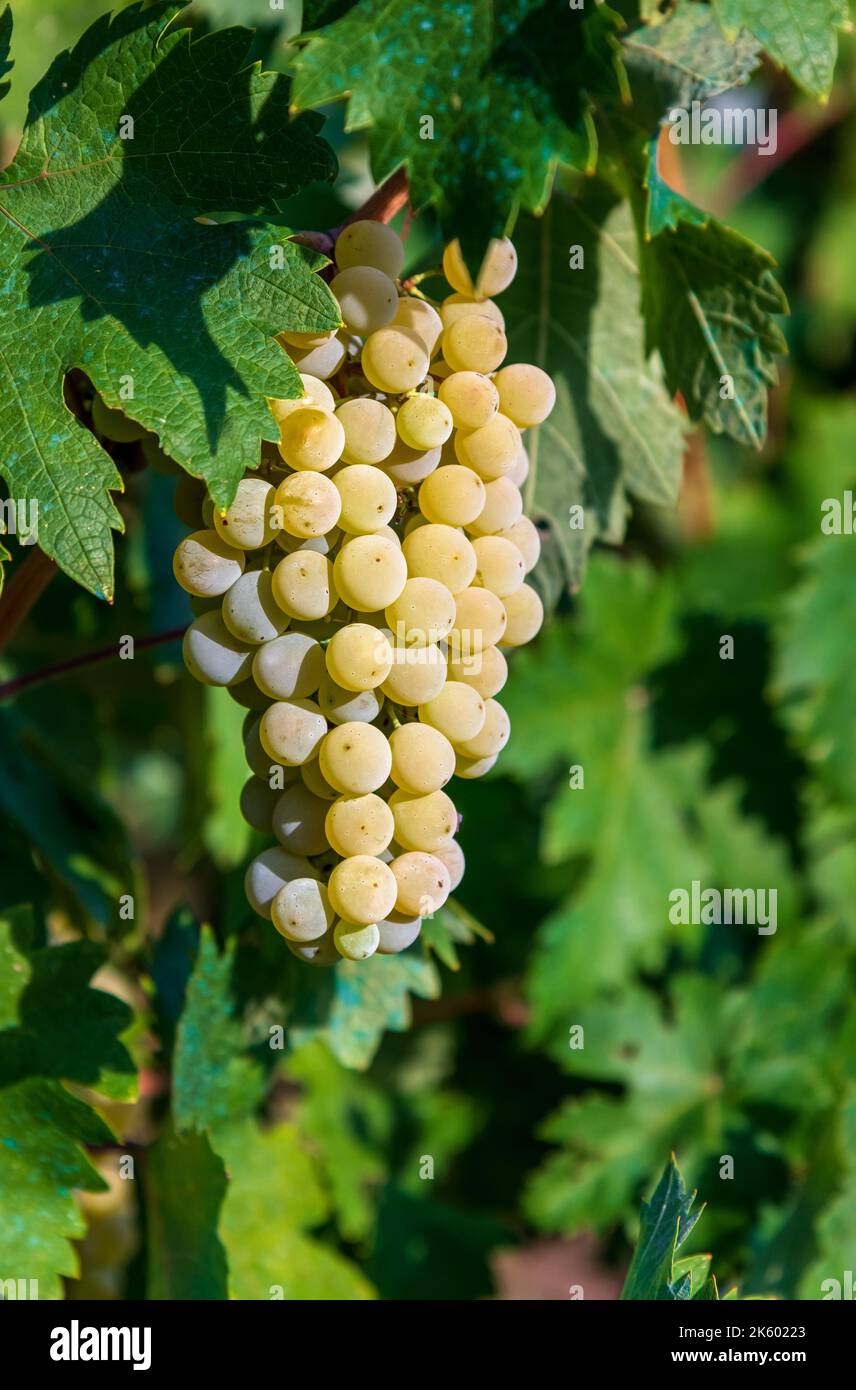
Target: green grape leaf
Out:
[684,59]
[450,927]
[42,1131]
[800,35]
[614,434]
[5,45]
[666,1221]
[172,320]
[185,1183]
[709,297]
[827,1277]
[507,89]
[361,1001]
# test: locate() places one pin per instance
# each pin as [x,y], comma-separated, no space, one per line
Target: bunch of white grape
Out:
[360,593]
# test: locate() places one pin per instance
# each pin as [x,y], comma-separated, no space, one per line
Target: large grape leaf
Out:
[108,271]
[614,433]
[5,44]
[507,85]
[799,35]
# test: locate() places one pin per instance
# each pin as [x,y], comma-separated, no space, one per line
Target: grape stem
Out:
[47,673]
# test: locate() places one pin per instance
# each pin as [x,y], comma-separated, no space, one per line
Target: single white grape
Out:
[459,306]
[474,343]
[247,694]
[442,553]
[339,705]
[323,545]
[367,298]
[424,422]
[480,621]
[311,439]
[491,450]
[485,670]
[457,711]
[321,362]
[308,340]
[367,242]
[298,821]
[250,611]
[368,496]
[246,523]
[261,762]
[423,822]
[503,506]
[362,890]
[423,759]
[257,802]
[472,399]
[311,777]
[526,394]
[524,616]
[524,534]
[498,267]
[371,572]
[291,731]
[499,565]
[301,910]
[269,872]
[394,359]
[468,768]
[423,613]
[417,675]
[206,565]
[455,269]
[424,883]
[290,665]
[420,317]
[307,504]
[359,657]
[212,655]
[452,496]
[355,942]
[315,393]
[321,952]
[369,428]
[520,472]
[397,932]
[452,856]
[303,585]
[407,466]
[493,735]
[355,758]
[359,823]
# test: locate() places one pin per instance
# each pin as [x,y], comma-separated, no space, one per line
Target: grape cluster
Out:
[359,594]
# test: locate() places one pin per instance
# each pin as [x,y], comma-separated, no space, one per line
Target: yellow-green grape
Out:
[520,472]
[308,340]
[499,565]
[423,822]
[290,665]
[354,942]
[257,802]
[369,498]
[459,306]
[339,705]
[386,532]
[187,500]
[524,616]
[480,621]
[423,759]
[366,242]
[359,825]
[452,496]
[206,565]
[524,534]
[307,504]
[367,298]
[485,670]
[369,428]
[453,857]
[269,872]
[492,736]
[457,711]
[362,890]
[298,821]
[371,572]
[311,439]
[322,544]
[526,394]
[291,731]
[311,776]
[491,450]
[417,674]
[114,424]
[440,369]
[301,910]
[472,399]
[498,268]
[442,553]
[250,611]
[394,359]
[359,657]
[503,506]
[397,932]
[474,344]
[212,655]
[468,768]
[260,761]
[423,882]
[414,523]
[424,422]
[322,361]
[407,466]
[321,952]
[421,318]
[304,586]
[247,523]
[247,694]
[423,613]
[316,394]
[455,269]
[355,758]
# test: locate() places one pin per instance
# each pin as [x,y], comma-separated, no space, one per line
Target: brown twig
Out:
[385,202]
[25,587]
[47,673]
